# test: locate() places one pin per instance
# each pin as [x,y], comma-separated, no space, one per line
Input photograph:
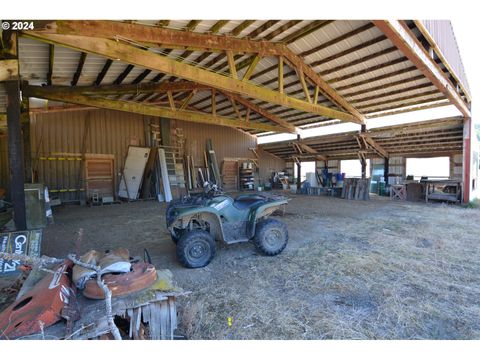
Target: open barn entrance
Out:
[433,168]
[353,168]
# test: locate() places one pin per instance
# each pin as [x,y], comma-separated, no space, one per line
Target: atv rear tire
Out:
[271,236]
[195,249]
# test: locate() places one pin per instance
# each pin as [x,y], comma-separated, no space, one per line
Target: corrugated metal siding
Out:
[268,164]
[227,142]
[456,166]
[110,132]
[442,32]
[396,165]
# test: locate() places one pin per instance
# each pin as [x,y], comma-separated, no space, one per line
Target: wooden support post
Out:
[280,74]
[251,68]
[231,64]
[301,75]
[187,100]
[15,154]
[170,100]
[385,170]
[27,149]
[363,161]
[467,158]
[299,170]
[315,95]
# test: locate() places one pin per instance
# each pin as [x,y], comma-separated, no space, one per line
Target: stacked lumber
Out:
[356,189]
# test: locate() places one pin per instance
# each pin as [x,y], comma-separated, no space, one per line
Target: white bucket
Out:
[293,188]
[285,186]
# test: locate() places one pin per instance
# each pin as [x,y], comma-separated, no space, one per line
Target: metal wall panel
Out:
[268,164]
[227,142]
[61,134]
[442,32]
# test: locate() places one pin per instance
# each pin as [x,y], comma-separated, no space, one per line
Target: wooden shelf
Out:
[246,177]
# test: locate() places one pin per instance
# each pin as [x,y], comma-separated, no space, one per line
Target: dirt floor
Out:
[352,270]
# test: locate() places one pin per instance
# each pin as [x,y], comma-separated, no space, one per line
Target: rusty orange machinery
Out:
[40,307]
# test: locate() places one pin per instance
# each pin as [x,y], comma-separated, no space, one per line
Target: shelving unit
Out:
[246,175]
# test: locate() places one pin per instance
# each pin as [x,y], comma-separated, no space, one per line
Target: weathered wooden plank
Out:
[8,70]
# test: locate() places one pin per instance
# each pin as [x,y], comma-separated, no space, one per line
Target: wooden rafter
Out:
[142,76]
[231,64]
[130,88]
[148,109]
[243,25]
[280,74]
[304,31]
[103,72]
[187,99]
[78,72]
[235,107]
[250,105]
[140,33]
[402,37]
[251,68]
[123,74]
[51,59]
[170,101]
[372,144]
[143,58]
[306,91]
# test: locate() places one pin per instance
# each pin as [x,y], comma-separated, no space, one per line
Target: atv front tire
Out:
[271,236]
[195,249]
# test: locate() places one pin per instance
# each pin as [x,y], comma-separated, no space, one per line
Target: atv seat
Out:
[245,202]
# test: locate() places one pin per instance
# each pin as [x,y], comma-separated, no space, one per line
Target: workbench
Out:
[455,194]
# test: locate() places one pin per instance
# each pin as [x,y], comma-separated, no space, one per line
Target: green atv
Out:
[195,222]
